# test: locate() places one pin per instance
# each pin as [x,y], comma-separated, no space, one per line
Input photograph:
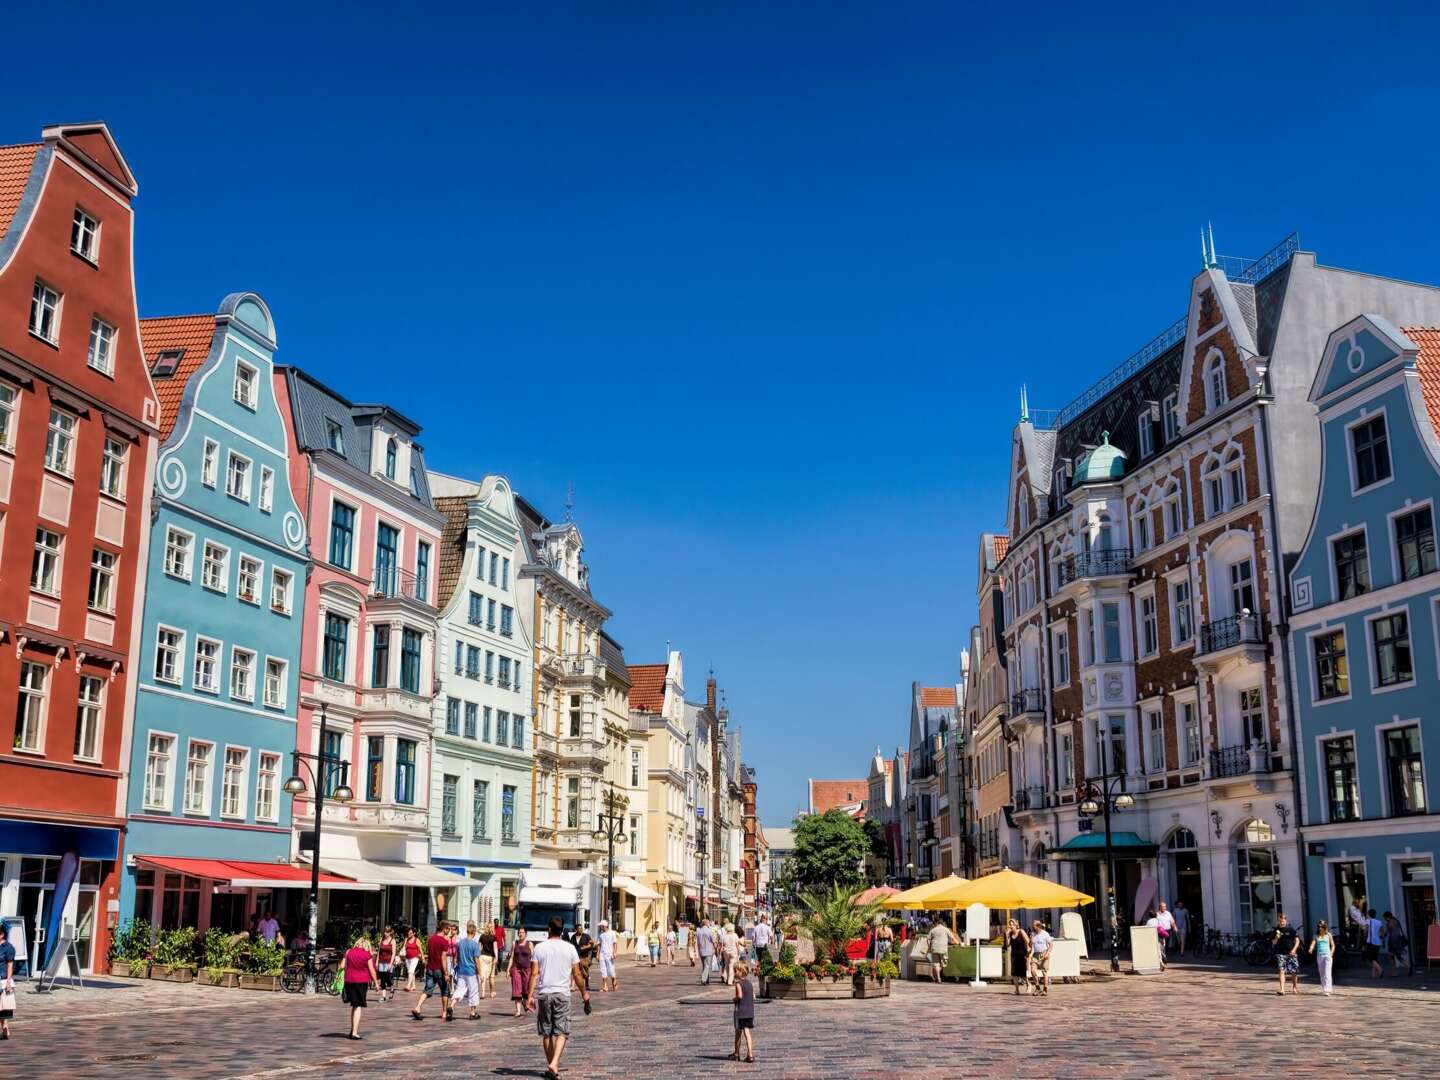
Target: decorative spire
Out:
[1024,405]
[570,501]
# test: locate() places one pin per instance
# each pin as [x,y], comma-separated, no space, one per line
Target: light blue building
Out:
[208,829]
[1363,634]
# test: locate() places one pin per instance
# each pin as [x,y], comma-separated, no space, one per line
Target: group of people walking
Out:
[1029,957]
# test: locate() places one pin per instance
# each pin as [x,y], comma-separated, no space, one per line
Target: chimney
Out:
[710,695]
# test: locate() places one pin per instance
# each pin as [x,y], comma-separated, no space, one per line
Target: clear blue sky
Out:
[761,280]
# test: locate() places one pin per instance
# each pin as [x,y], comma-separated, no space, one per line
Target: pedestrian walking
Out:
[1396,942]
[1374,938]
[7,981]
[705,946]
[385,963]
[438,972]
[764,935]
[555,970]
[585,948]
[884,940]
[521,955]
[1181,915]
[468,989]
[1322,945]
[938,943]
[1286,947]
[1152,920]
[609,942]
[670,946]
[1041,944]
[412,959]
[489,961]
[360,975]
[499,931]
[744,1013]
[1165,923]
[730,945]
[1018,942]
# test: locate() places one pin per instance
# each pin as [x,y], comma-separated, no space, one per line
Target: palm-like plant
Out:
[835,918]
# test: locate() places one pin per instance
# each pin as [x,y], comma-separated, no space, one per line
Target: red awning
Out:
[249,875]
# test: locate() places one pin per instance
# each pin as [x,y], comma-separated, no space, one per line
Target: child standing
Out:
[744,1013]
[1323,946]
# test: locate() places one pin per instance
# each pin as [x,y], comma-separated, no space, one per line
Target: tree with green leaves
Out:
[830,849]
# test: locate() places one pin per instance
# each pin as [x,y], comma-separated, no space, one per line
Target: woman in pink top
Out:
[360,975]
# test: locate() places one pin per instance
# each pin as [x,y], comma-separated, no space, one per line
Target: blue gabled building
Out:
[1363,632]
[208,826]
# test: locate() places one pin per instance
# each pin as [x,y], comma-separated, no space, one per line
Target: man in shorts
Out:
[938,943]
[437,973]
[609,942]
[1041,943]
[553,971]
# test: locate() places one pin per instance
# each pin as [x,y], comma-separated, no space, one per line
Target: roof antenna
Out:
[1024,405]
[570,501]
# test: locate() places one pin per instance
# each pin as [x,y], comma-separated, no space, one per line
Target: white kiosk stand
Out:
[977,929]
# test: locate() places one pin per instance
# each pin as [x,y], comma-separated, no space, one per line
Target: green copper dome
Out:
[1105,462]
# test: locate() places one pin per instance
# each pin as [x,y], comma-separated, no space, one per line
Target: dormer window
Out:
[392,458]
[1024,512]
[1170,418]
[1146,427]
[85,236]
[1215,394]
[334,435]
[247,380]
[166,363]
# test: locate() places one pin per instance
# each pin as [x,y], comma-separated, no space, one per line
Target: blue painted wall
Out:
[276,538]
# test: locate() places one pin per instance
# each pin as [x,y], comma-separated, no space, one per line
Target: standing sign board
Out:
[1072,925]
[977,929]
[1145,950]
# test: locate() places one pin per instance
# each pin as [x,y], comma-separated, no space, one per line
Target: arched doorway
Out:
[1257,876]
[1183,877]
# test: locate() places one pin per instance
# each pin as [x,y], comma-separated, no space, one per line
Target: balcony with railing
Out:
[1030,798]
[1245,630]
[390,583]
[1232,761]
[1102,562]
[922,766]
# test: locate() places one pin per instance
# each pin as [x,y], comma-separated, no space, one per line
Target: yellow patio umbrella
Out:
[926,897]
[1009,890]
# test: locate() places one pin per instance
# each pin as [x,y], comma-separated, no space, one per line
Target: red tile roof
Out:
[647,687]
[1428,364]
[189,332]
[941,696]
[1002,545]
[15,163]
[828,794]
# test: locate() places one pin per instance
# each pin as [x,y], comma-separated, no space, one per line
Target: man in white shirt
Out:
[269,928]
[1040,945]
[763,937]
[554,969]
[705,946]
[609,942]
[1165,921]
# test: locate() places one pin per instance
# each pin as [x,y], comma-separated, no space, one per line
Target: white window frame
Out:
[105,574]
[1400,608]
[205,563]
[1060,653]
[237,669]
[267,489]
[44,301]
[1216,395]
[1323,737]
[1140,526]
[210,463]
[1382,763]
[47,568]
[1178,641]
[286,593]
[250,400]
[1212,485]
[1410,507]
[178,677]
[1370,414]
[267,778]
[1233,471]
[217,666]
[9,414]
[207,775]
[187,571]
[1170,418]
[60,441]
[1189,700]
[1146,429]
[39,700]
[90,713]
[1150,625]
[241,786]
[1363,529]
[238,464]
[259,578]
[1313,662]
[1172,510]
[1149,715]
[85,236]
[100,349]
[168,757]
[112,467]
[277,700]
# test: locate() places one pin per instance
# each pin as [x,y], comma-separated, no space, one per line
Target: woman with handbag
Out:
[7,981]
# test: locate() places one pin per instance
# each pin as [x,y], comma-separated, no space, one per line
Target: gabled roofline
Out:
[61,133]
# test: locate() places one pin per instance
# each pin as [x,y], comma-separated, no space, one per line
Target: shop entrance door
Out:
[1417,884]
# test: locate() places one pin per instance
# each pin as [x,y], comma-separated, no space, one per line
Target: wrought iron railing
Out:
[1027,701]
[1228,632]
[1030,798]
[390,582]
[1239,761]
[1099,563]
[922,768]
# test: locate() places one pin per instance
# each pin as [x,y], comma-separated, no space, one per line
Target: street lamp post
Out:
[321,768]
[702,849]
[1101,797]
[612,830]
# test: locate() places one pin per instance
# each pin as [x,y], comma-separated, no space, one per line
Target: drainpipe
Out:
[1282,630]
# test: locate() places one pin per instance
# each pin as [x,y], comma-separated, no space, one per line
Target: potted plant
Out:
[130,950]
[782,978]
[222,955]
[872,977]
[174,955]
[260,966]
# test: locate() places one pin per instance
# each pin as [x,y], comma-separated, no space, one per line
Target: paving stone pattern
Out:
[1191,1022]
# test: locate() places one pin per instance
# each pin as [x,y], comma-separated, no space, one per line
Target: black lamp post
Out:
[612,830]
[321,769]
[702,849]
[1101,797]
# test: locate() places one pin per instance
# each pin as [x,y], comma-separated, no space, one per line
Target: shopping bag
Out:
[7,1000]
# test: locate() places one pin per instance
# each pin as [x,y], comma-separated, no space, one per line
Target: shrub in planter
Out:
[260,965]
[130,950]
[174,954]
[221,950]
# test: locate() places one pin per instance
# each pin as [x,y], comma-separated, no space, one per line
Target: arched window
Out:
[392,454]
[1215,395]
[1104,532]
[1140,526]
[1182,839]
[1173,520]
[1257,876]
[1234,478]
[1214,487]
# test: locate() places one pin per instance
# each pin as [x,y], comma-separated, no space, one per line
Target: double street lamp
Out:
[1101,796]
[612,830]
[323,769]
[702,849]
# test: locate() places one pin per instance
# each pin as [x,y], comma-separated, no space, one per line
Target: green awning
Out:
[1088,846]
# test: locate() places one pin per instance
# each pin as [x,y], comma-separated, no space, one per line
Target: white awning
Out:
[373,872]
[635,889]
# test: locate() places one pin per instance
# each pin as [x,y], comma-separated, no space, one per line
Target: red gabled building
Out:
[78,418]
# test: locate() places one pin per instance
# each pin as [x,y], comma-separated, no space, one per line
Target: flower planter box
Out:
[868,987]
[179,974]
[826,987]
[784,989]
[218,977]
[123,969]
[259,982]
